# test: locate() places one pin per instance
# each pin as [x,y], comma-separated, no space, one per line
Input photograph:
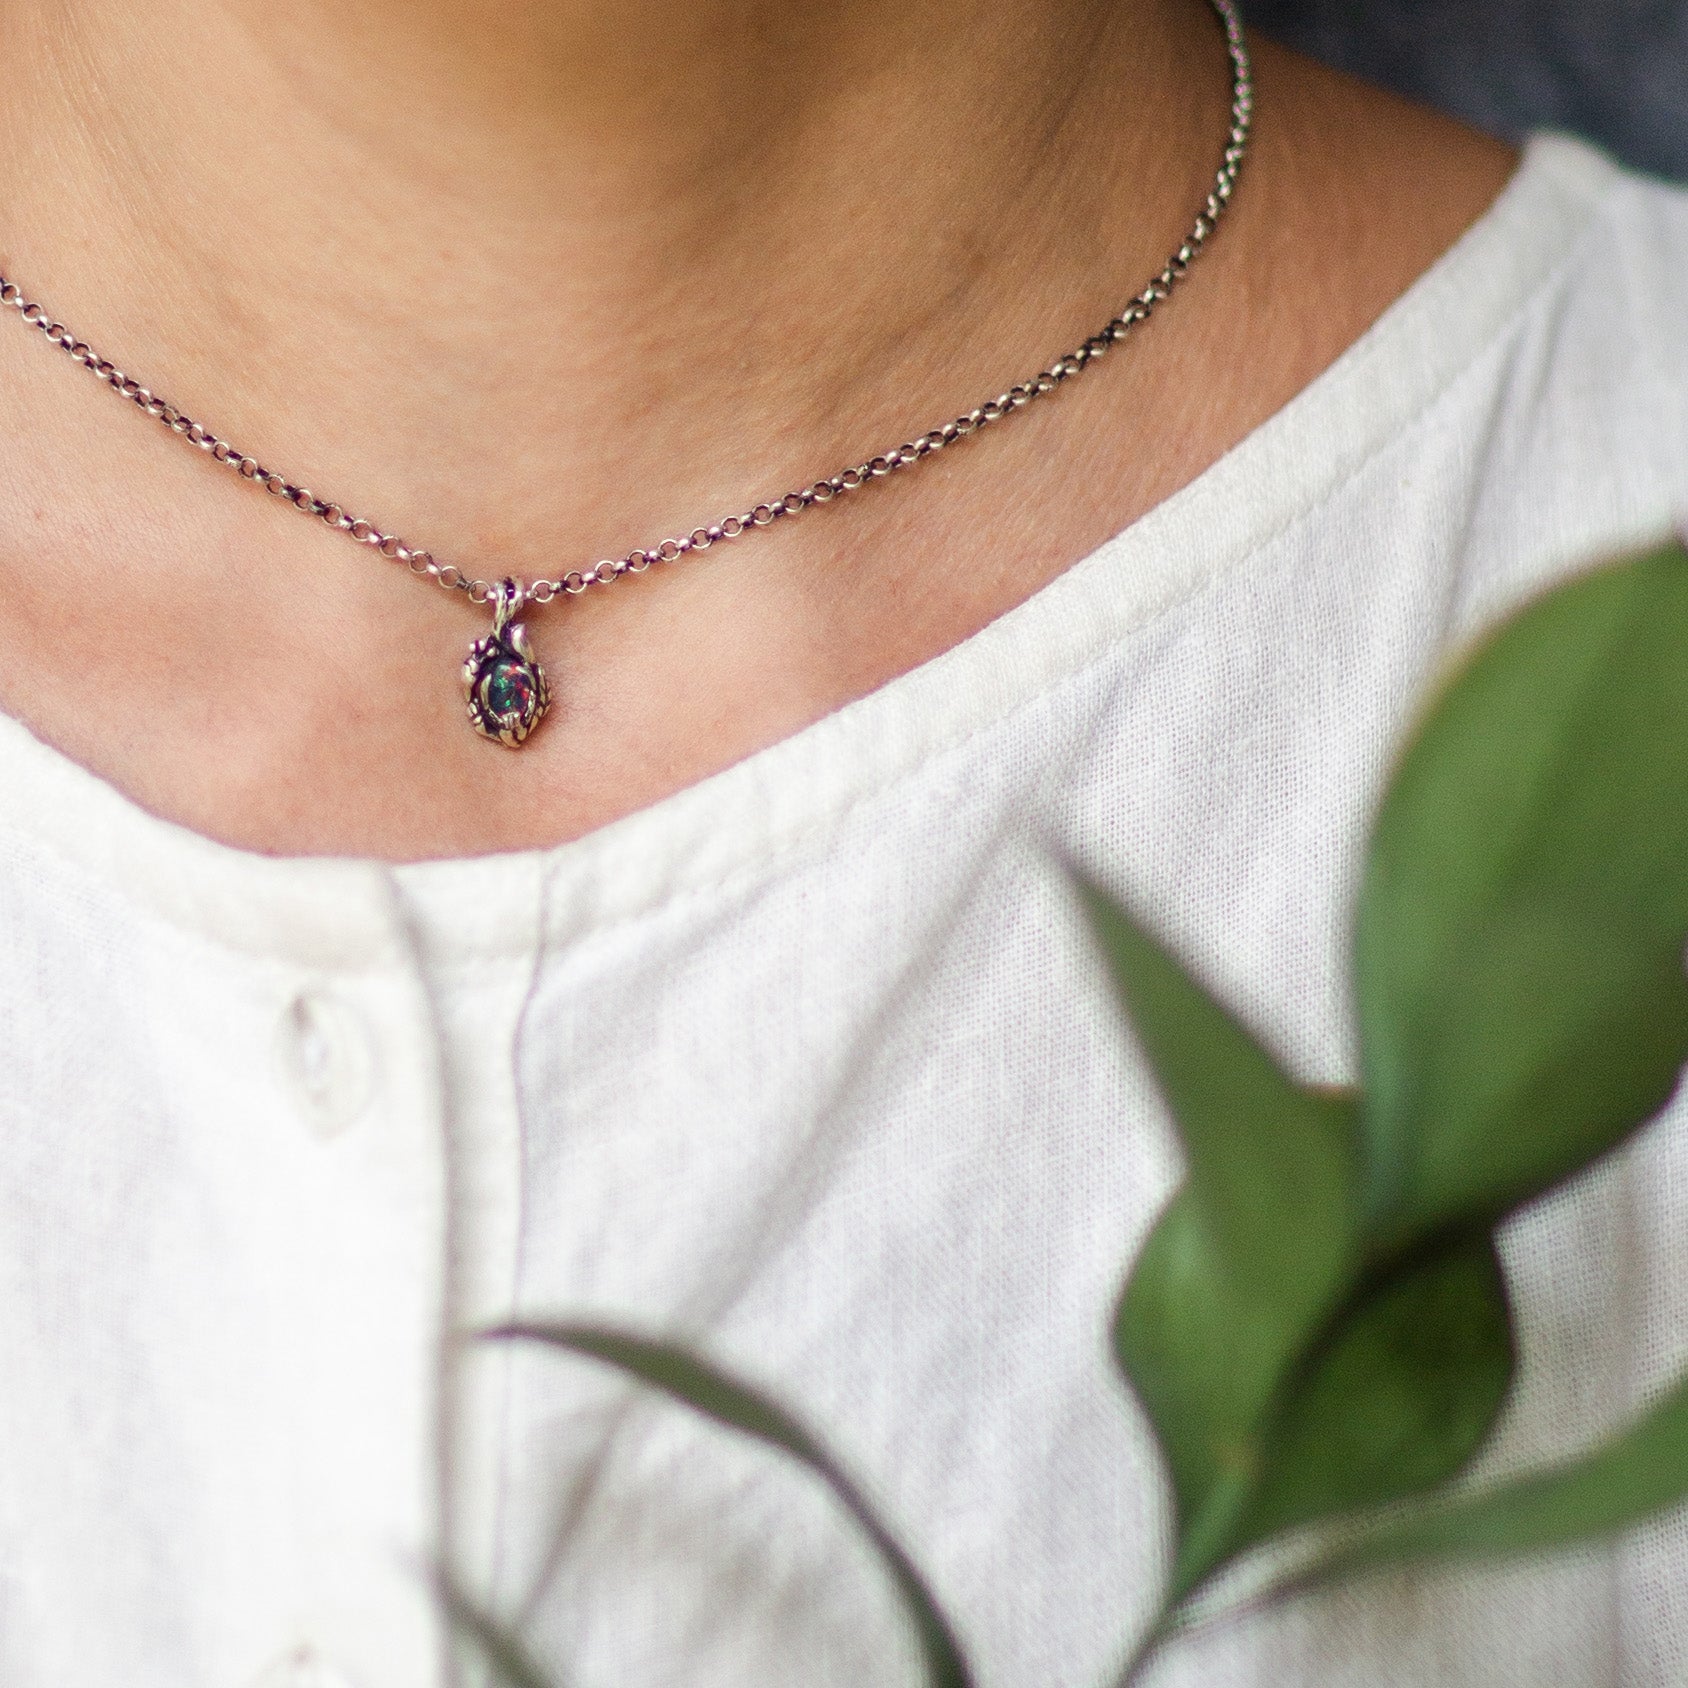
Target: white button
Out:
[326,1060]
[303,1667]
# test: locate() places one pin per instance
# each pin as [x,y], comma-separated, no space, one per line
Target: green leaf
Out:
[509,1661]
[1398,1398]
[710,1391]
[1180,1324]
[1558,1029]
[1519,950]
[1251,1257]
[1638,1473]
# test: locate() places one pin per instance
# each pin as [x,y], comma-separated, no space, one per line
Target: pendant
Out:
[503,684]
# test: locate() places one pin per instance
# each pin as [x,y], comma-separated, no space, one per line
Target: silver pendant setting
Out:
[503,684]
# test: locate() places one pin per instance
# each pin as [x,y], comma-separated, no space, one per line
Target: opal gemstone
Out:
[509,690]
[503,686]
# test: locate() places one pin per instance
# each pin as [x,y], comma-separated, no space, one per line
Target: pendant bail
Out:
[508,597]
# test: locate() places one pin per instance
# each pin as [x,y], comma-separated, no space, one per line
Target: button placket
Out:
[354,1223]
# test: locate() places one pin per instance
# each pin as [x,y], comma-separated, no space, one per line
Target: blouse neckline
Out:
[740,823]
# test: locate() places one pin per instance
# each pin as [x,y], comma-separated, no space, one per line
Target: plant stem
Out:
[1143,1654]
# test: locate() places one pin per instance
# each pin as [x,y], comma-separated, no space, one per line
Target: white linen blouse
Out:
[812,1065]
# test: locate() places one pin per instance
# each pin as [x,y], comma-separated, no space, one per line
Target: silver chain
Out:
[913,451]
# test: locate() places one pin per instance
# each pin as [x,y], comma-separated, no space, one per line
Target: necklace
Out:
[504,686]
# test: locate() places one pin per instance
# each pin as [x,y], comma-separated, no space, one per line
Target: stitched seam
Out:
[778,855]
[779,859]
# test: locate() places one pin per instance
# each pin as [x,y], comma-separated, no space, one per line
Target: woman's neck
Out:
[662,255]
[534,285]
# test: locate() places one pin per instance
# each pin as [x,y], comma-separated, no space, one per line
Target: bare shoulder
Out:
[1359,192]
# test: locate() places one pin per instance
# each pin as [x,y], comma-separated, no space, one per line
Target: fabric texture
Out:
[813,1066]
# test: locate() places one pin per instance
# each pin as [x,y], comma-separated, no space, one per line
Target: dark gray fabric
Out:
[1613,70]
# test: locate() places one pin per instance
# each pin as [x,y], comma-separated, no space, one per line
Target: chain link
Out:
[1016,398]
